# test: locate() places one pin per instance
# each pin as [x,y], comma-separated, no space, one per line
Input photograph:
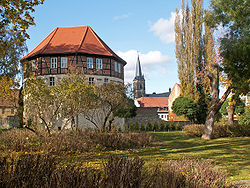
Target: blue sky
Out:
[126,26]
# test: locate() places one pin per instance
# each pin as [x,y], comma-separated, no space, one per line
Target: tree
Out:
[185,106]
[114,102]
[42,105]
[189,54]
[233,16]
[76,97]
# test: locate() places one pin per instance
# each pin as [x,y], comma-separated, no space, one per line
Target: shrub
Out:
[244,119]
[131,127]
[178,126]
[137,126]
[149,126]
[162,126]
[118,171]
[220,130]
[20,139]
[171,126]
[194,130]
[156,126]
[72,141]
[167,126]
[142,127]
[123,172]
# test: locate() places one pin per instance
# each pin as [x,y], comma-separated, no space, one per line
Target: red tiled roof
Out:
[80,39]
[153,101]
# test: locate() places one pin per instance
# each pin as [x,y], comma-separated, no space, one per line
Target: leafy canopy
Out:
[185,106]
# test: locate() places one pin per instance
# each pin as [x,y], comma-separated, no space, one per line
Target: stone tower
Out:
[139,81]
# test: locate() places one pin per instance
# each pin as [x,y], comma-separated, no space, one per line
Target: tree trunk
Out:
[213,110]
[230,112]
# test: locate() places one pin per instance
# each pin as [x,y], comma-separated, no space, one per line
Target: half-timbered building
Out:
[74,49]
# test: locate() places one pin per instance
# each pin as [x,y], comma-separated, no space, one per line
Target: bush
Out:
[220,130]
[142,127]
[149,126]
[118,171]
[187,173]
[244,119]
[131,127]
[137,126]
[195,130]
[178,126]
[72,141]
[156,126]
[162,126]
[167,126]
[171,126]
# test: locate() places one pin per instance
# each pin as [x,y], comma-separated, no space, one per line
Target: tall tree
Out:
[15,19]
[189,54]
[232,16]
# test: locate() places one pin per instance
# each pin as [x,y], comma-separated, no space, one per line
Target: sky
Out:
[128,27]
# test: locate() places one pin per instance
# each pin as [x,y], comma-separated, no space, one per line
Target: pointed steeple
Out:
[138,73]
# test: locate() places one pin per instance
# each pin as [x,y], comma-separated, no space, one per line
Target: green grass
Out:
[232,155]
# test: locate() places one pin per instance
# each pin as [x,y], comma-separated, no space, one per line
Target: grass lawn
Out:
[232,155]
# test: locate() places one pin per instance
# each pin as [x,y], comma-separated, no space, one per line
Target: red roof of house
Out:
[153,101]
[80,39]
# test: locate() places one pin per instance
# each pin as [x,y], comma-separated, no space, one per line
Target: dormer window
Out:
[98,63]
[64,62]
[90,63]
[33,66]
[53,62]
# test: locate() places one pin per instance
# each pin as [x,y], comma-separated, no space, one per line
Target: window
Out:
[98,63]
[64,62]
[119,67]
[106,80]
[91,81]
[51,81]
[33,66]
[53,62]
[89,63]
[115,66]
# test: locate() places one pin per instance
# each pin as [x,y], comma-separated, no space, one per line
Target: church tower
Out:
[139,81]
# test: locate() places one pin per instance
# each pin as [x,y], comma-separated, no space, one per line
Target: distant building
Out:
[159,103]
[8,112]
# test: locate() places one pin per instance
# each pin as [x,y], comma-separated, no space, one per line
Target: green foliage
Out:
[244,119]
[185,106]
[142,128]
[162,126]
[239,108]
[137,126]
[171,125]
[233,16]
[131,127]
[156,126]
[178,126]
[149,126]
[167,126]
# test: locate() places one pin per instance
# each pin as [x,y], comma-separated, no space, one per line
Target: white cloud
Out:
[150,62]
[164,28]
[124,16]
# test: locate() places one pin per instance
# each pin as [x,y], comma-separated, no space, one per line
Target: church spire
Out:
[139,81]
[138,73]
